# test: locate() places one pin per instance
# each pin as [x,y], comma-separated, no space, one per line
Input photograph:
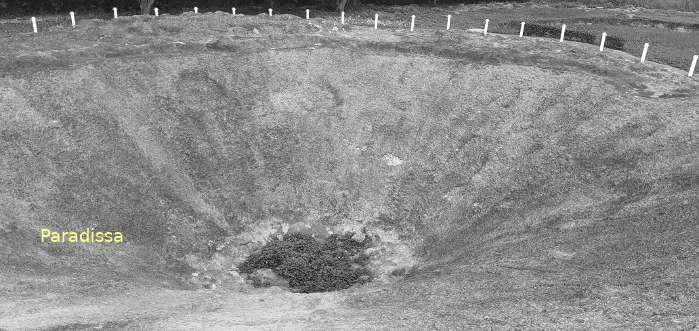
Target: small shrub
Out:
[615,43]
[312,265]
[580,36]
[540,30]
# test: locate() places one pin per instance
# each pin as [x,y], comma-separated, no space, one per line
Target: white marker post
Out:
[521,30]
[485,29]
[233,10]
[604,39]
[645,52]
[693,66]
[412,23]
[196,10]
[308,14]
[157,12]
[448,22]
[376,21]
[563,32]
[270,11]
[72,18]
[34,25]
[342,18]
[115,12]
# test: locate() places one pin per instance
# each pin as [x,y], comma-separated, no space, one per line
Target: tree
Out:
[341,5]
[146,6]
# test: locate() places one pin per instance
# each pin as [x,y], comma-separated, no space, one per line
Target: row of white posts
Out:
[521,34]
[412,28]
[601,45]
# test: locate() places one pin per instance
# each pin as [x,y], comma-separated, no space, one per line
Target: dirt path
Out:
[489,295]
[164,309]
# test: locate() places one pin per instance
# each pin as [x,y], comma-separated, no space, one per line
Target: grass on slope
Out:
[682,5]
[531,161]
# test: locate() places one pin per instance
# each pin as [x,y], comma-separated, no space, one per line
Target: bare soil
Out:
[542,185]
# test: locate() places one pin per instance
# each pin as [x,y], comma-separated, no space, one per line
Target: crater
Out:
[452,155]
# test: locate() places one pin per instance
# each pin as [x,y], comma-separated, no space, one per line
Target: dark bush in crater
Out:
[313,265]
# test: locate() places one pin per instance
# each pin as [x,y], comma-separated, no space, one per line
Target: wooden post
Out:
[604,39]
[34,25]
[308,14]
[485,29]
[448,22]
[115,12]
[342,18]
[376,21]
[693,66]
[645,52]
[563,32]
[72,18]
[412,23]
[521,30]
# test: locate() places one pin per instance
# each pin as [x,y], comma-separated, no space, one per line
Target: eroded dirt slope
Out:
[549,177]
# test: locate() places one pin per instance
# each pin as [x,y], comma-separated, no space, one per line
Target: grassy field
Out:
[673,36]
[682,5]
